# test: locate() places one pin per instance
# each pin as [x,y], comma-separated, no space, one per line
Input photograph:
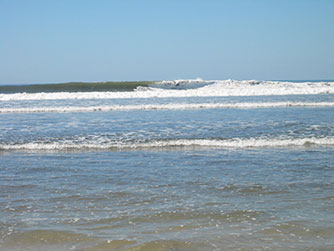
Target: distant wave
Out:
[187,88]
[185,106]
[235,143]
[75,87]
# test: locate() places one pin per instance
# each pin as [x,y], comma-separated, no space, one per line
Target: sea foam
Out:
[214,88]
[235,143]
[174,106]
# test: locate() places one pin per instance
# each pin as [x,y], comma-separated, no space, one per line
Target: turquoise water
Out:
[158,173]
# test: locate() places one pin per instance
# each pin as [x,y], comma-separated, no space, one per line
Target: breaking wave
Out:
[186,88]
[235,143]
[177,106]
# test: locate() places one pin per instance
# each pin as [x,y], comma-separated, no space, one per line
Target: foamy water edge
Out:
[237,143]
[184,106]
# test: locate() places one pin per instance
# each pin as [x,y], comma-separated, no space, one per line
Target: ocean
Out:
[167,165]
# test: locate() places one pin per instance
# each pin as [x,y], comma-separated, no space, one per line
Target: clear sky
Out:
[99,40]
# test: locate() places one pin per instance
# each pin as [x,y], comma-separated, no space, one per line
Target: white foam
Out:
[213,88]
[184,106]
[175,143]
[184,81]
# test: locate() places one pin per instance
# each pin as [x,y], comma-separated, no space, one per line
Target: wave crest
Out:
[187,106]
[236,143]
[189,88]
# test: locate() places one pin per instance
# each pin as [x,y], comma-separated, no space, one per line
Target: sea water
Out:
[171,165]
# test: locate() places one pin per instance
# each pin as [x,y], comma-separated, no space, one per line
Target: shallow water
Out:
[170,179]
[213,197]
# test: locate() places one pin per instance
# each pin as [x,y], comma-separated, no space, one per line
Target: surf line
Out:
[176,143]
[185,106]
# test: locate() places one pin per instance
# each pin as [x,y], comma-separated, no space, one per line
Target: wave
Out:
[216,88]
[235,143]
[182,84]
[74,87]
[185,106]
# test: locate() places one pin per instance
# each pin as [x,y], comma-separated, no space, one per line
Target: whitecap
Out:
[215,88]
[171,106]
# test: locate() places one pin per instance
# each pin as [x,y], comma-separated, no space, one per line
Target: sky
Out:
[129,40]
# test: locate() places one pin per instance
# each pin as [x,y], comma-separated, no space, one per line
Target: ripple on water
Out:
[164,245]
[252,189]
[45,240]
[300,231]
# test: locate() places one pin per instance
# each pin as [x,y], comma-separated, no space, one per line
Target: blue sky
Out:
[80,40]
